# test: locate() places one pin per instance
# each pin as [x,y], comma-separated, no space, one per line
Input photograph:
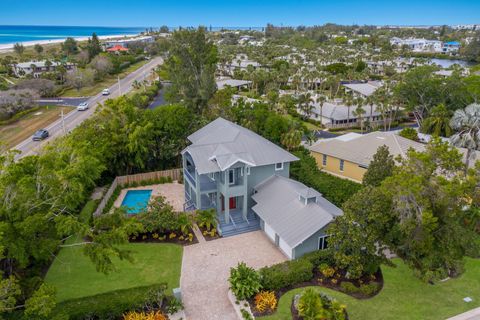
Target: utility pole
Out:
[63,123]
[119,87]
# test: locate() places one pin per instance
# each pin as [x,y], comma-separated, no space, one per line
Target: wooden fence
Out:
[174,174]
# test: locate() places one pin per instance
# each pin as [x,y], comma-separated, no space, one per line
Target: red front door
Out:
[233,203]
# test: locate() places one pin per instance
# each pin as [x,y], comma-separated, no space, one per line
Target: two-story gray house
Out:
[231,169]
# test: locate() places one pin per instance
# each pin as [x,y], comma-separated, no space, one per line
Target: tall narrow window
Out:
[231,176]
[324,160]
[342,163]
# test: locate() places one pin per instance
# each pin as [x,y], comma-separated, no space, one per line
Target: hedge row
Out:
[334,189]
[110,305]
[286,274]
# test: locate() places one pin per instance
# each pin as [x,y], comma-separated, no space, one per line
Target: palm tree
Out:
[438,123]
[321,99]
[305,104]
[466,123]
[348,101]
[359,112]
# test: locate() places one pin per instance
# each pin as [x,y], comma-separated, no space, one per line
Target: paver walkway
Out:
[206,268]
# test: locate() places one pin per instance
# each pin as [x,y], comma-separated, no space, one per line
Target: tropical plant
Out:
[206,219]
[265,301]
[314,305]
[466,123]
[184,223]
[438,122]
[380,167]
[244,281]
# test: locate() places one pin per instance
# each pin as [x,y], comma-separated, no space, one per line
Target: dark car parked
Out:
[40,135]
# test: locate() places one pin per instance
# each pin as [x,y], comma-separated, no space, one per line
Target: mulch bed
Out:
[208,237]
[320,280]
[148,237]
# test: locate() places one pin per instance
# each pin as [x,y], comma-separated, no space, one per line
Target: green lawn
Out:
[405,297]
[75,276]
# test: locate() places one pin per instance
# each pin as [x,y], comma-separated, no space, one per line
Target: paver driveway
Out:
[206,267]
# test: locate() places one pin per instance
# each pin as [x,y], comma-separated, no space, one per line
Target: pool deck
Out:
[173,192]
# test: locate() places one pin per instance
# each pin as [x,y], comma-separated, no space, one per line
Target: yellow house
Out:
[348,156]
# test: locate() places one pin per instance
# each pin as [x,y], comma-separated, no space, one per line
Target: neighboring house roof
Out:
[39,64]
[360,149]
[222,143]
[222,83]
[278,204]
[339,111]
[366,89]
[117,48]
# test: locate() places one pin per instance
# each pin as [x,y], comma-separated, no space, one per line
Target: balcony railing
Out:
[190,177]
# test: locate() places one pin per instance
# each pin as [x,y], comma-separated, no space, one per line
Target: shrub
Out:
[326,270]
[154,315]
[244,281]
[286,274]
[314,305]
[319,257]
[409,133]
[174,305]
[265,301]
[349,287]
[369,289]
[206,219]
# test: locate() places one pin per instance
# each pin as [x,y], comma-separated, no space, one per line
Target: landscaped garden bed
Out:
[165,237]
[263,289]
[207,223]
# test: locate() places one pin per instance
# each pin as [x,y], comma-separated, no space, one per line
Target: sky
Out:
[240,13]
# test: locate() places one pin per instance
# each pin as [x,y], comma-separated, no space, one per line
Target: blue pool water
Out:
[136,200]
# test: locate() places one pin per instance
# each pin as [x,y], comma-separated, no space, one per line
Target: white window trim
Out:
[233,177]
[247,170]
[278,169]
[319,238]
[341,166]
[212,176]
[324,160]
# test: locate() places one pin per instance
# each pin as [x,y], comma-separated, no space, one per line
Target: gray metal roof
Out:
[366,89]
[338,111]
[235,83]
[222,143]
[278,203]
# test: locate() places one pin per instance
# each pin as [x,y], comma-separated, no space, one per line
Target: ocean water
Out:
[14,34]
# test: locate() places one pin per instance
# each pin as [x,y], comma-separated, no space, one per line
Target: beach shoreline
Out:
[6,47]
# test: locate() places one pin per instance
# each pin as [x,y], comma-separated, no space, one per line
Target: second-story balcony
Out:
[207,184]
[188,174]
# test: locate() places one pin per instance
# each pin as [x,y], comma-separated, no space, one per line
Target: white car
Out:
[82,106]
[105,92]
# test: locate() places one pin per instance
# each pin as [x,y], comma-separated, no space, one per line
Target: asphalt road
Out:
[75,118]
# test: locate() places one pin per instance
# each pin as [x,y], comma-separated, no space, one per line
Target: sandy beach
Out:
[9,46]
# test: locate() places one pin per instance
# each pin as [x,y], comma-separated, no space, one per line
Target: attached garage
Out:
[293,216]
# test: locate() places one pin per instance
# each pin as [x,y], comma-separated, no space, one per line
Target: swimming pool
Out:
[136,200]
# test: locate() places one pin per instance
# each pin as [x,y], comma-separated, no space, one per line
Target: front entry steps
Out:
[239,225]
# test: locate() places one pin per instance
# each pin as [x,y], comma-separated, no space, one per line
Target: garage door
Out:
[286,248]
[270,232]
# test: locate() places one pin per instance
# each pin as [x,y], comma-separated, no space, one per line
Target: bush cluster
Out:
[334,189]
[286,274]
